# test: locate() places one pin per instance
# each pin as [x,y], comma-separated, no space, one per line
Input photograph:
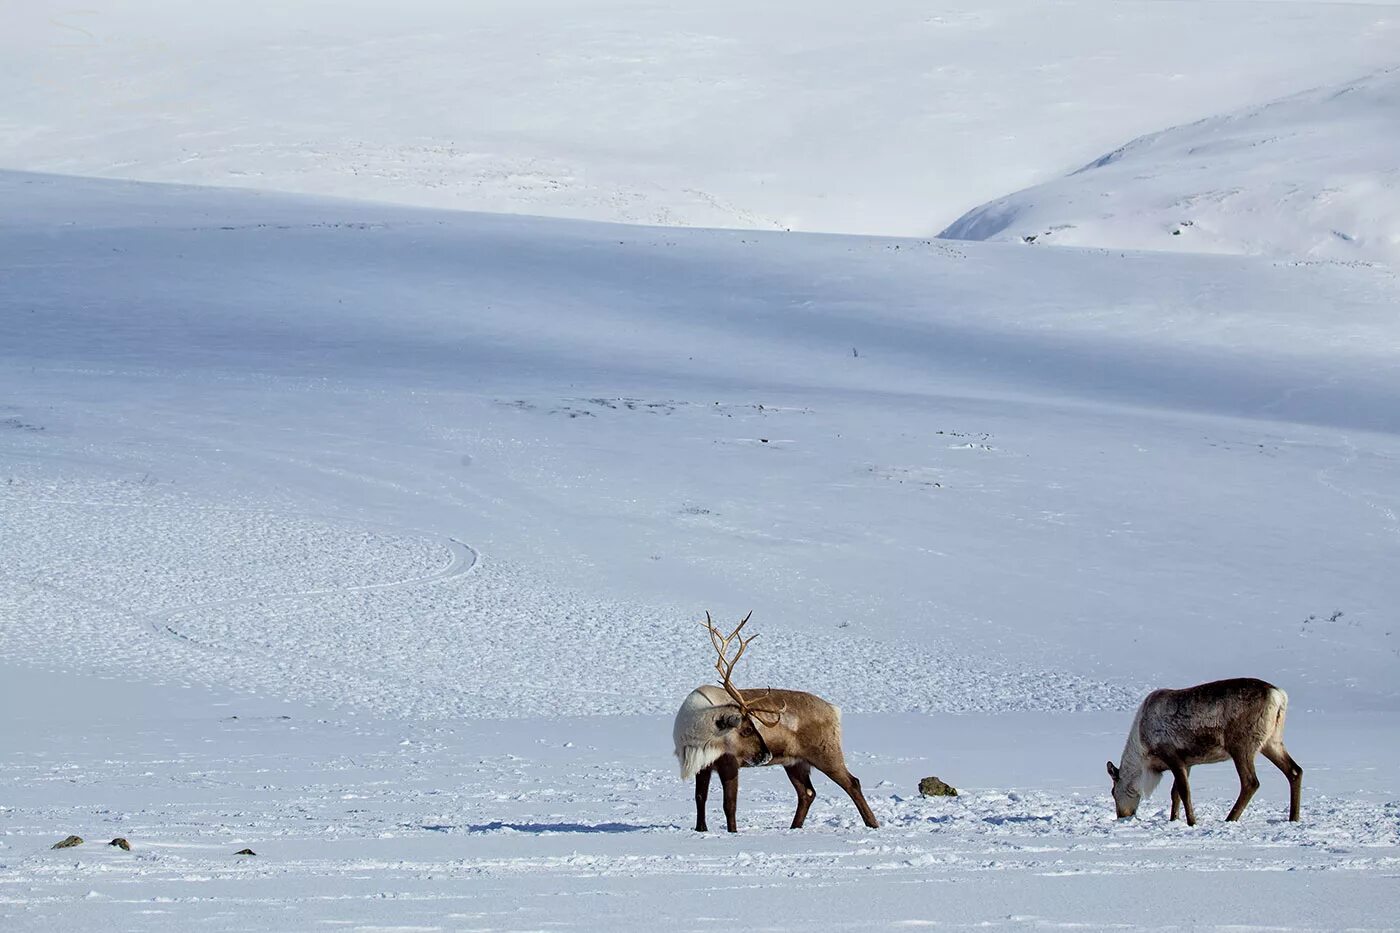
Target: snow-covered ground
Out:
[374,537]
[450,491]
[580,824]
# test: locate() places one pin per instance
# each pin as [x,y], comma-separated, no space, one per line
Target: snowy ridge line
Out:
[1265,180]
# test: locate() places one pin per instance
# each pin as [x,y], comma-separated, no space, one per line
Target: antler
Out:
[725,666]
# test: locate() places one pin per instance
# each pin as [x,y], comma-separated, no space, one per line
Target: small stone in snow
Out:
[245,852]
[934,787]
[68,843]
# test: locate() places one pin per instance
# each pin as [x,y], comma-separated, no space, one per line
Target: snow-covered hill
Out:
[1312,175]
[978,407]
[817,116]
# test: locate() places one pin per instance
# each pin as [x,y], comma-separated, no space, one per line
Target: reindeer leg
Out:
[800,775]
[1249,783]
[702,793]
[728,768]
[851,785]
[1285,763]
[1176,795]
[1181,787]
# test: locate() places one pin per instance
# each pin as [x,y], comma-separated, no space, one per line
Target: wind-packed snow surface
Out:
[374,539]
[1312,175]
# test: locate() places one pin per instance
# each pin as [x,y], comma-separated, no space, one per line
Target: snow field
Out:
[256,520]
[365,822]
[403,626]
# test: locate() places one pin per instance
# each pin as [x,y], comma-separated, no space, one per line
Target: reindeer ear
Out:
[1112,771]
[728,721]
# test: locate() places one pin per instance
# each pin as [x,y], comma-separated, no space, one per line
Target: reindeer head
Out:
[739,737]
[739,725]
[1126,794]
[709,726]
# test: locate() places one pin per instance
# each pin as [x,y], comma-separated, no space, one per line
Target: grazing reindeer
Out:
[722,729]
[1175,729]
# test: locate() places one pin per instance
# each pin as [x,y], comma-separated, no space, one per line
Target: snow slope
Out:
[991,473]
[1312,175]
[373,539]
[817,116]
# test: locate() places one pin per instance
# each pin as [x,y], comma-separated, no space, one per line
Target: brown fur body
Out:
[1174,730]
[714,737]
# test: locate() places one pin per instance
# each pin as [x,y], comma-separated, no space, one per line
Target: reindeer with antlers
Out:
[722,729]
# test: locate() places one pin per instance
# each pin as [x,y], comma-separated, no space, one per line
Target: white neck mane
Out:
[1132,767]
